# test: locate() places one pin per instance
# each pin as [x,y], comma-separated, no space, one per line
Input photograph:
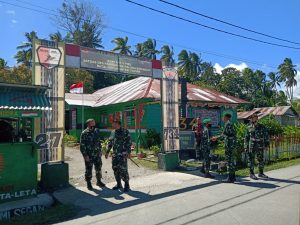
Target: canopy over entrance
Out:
[23,97]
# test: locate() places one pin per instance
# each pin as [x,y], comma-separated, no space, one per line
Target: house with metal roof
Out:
[137,104]
[285,115]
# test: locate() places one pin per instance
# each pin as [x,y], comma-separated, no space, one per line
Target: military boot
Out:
[126,188]
[252,175]
[100,184]
[89,185]
[118,186]
[208,175]
[230,179]
[262,175]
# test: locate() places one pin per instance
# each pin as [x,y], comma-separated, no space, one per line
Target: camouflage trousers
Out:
[229,155]
[120,168]
[259,153]
[97,162]
[198,149]
[206,158]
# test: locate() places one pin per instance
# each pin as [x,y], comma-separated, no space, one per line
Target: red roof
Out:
[144,87]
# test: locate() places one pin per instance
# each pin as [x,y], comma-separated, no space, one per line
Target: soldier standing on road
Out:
[255,142]
[229,137]
[197,128]
[90,148]
[120,142]
[206,146]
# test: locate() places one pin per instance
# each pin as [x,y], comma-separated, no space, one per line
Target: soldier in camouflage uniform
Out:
[197,128]
[255,142]
[206,140]
[229,137]
[90,148]
[120,142]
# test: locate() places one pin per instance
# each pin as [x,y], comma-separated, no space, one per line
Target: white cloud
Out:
[297,88]
[11,12]
[14,21]
[239,67]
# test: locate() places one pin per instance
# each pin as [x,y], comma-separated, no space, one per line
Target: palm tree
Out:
[24,55]
[3,63]
[274,81]
[121,46]
[189,65]
[167,56]
[149,49]
[139,52]
[184,64]
[288,73]
[56,37]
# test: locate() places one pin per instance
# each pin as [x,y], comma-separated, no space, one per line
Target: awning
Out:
[23,97]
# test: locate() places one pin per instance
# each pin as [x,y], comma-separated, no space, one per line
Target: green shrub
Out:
[291,130]
[69,138]
[240,129]
[155,149]
[274,128]
[152,137]
[104,145]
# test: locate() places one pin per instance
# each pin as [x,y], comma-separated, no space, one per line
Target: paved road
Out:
[179,198]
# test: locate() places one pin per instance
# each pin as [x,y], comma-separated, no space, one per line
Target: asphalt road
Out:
[180,198]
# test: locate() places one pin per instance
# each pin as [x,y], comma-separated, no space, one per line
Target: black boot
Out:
[262,175]
[89,185]
[230,179]
[118,186]
[252,175]
[100,184]
[126,188]
[208,175]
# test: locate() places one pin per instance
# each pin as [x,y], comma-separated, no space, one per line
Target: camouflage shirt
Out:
[90,142]
[120,141]
[256,136]
[228,132]
[205,139]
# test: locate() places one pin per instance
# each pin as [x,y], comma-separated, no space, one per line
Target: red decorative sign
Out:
[48,57]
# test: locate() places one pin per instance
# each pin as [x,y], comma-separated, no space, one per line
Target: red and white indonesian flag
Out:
[77,88]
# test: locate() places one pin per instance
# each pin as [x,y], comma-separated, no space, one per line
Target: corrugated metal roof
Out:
[276,111]
[144,87]
[23,97]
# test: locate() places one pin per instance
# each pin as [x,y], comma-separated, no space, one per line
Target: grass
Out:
[55,214]
[273,166]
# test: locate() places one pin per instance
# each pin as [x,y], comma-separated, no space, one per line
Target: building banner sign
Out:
[213,114]
[107,61]
[170,109]
[48,57]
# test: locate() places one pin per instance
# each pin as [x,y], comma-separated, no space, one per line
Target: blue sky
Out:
[278,18]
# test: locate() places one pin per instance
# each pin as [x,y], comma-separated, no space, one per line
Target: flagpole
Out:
[82,112]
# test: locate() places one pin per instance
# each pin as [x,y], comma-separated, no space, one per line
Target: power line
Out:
[209,27]
[158,40]
[227,23]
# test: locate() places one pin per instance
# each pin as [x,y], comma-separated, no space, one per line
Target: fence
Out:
[283,147]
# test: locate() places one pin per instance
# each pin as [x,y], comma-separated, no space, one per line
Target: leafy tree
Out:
[3,63]
[274,80]
[83,22]
[24,55]
[231,82]
[122,46]
[167,55]
[288,73]
[18,75]
[73,76]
